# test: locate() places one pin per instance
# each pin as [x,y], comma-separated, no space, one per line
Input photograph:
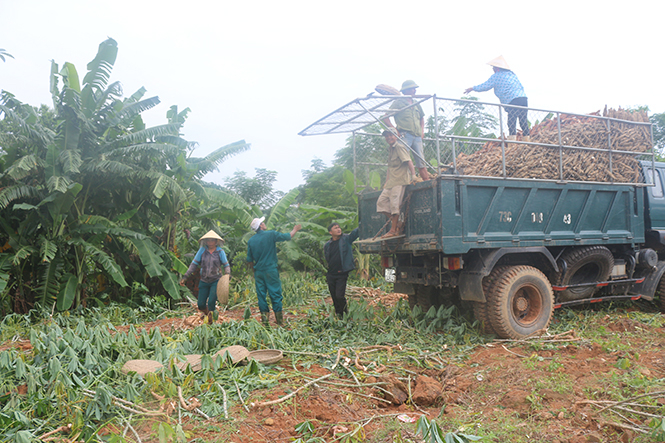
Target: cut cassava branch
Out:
[286,397]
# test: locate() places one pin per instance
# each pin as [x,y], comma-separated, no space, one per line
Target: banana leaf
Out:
[67,294]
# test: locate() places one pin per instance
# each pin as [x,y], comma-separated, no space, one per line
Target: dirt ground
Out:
[499,382]
[540,393]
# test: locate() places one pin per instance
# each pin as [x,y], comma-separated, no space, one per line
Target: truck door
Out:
[655,198]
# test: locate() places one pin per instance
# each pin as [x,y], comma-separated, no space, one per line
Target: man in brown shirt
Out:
[400,173]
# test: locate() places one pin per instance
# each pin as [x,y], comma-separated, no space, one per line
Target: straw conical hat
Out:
[212,234]
[141,367]
[499,62]
[191,360]
[223,290]
[237,353]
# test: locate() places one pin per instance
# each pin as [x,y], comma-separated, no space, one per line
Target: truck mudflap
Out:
[651,280]
[479,265]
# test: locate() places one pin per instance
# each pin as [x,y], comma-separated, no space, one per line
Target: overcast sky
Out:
[264,70]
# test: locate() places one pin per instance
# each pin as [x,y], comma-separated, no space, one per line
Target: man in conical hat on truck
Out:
[210,258]
[509,90]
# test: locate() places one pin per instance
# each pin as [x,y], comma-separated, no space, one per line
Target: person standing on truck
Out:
[410,123]
[262,257]
[338,252]
[400,173]
[210,258]
[510,91]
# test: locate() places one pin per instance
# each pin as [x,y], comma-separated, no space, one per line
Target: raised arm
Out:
[295,230]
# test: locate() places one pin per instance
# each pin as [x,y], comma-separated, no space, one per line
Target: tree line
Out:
[93,202]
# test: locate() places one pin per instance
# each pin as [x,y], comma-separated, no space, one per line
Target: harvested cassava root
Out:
[529,161]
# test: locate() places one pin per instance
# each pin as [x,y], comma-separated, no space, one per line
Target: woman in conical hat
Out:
[509,90]
[210,258]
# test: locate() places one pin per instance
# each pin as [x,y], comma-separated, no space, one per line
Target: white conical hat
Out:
[211,234]
[499,62]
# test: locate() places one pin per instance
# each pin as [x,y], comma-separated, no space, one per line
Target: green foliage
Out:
[327,187]
[431,432]
[658,429]
[167,433]
[307,431]
[91,199]
[255,191]
[658,122]
[4,54]
[369,158]
[73,372]
[470,120]
[623,363]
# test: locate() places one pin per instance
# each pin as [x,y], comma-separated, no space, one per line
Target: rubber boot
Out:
[210,317]
[204,312]
[526,138]
[512,137]
[265,318]
[279,318]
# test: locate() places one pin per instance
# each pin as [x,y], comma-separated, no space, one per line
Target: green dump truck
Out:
[517,248]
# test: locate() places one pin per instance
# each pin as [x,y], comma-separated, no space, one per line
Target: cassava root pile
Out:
[529,161]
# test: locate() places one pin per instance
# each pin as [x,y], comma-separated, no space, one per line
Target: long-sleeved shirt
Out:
[262,251]
[211,264]
[339,253]
[506,85]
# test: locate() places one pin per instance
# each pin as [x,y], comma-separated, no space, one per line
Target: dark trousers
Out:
[207,297]
[337,288]
[516,113]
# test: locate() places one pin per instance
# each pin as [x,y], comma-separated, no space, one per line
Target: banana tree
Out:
[81,197]
[188,171]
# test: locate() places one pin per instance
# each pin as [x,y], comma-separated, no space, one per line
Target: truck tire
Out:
[481,314]
[661,294]
[480,310]
[413,301]
[520,302]
[584,265]
[424,297]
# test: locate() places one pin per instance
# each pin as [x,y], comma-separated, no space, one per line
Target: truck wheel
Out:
[413,301]
[480,310]
[661,294]
[584,265]
[480,313]
[520,302]
[423,297]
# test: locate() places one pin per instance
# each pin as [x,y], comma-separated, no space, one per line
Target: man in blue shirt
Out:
[338,252]
[262,256]
[509,90]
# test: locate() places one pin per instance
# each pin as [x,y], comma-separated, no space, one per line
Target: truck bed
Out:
[454,214]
